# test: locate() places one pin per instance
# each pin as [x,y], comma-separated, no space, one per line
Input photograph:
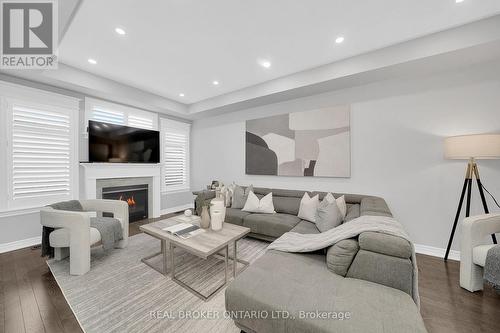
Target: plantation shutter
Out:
[140,122]
[41,144]
[107,116]
[176,155]
[112,113]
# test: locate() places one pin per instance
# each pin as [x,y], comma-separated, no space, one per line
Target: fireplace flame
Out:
[130,201]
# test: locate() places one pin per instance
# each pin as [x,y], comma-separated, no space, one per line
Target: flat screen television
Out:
[112,143]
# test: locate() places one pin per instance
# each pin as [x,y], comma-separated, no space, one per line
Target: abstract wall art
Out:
[314,143]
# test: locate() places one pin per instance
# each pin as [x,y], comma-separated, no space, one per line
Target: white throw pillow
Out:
[329,198]
[264,205]
[342,206]
[230,192]
[308,207]
[340,203]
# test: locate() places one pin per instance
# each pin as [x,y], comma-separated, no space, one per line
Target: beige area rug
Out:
[122,294]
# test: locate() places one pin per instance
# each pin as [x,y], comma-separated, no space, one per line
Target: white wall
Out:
[397,131]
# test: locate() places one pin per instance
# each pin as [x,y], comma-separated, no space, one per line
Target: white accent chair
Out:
[475,231]
[73,235]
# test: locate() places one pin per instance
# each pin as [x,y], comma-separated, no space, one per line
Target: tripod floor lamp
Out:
[471,148]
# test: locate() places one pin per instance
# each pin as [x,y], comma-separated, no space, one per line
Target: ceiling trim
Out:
[65,26]
[67,77]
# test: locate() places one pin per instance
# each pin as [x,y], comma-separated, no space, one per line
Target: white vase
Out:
[218,204]
[216,220]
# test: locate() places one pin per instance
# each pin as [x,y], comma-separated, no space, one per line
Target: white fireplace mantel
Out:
[90,173]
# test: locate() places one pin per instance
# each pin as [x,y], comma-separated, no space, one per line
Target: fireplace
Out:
[135,195]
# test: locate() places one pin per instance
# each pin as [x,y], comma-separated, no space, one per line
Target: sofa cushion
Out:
[386,270]
[301,282]
[305,227]
[352,212]
[273,225]
[340,256]
[288,193]
[374,206]
[286,205]
[61,237]
[235,216]
[385,244]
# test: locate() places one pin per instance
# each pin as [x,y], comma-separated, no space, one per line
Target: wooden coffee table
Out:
[203,245]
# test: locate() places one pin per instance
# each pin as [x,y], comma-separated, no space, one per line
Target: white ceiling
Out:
[175,46]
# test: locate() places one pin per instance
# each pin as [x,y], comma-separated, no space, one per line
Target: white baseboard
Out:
[12,246]
[436,252]
[176,209]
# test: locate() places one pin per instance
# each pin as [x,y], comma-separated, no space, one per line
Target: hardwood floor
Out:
[446,307]
[31,301]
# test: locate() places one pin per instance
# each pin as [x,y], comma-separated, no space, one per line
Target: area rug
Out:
[122,294]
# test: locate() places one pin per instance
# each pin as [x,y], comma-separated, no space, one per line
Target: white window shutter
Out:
[107,116]
[41,146]
[175,155]
[140,122]
[113,113]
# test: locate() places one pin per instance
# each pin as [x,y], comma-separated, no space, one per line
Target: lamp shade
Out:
[479,146]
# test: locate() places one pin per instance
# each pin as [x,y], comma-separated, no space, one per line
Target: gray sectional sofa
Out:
[369,278]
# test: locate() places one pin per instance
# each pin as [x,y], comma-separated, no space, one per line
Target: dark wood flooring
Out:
[31,301]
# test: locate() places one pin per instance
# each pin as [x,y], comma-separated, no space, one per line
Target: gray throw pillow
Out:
[328,216]
[240,196]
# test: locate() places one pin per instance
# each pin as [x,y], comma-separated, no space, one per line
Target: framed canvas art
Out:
[314,143]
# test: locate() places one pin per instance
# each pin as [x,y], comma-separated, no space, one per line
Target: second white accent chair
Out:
[474,247]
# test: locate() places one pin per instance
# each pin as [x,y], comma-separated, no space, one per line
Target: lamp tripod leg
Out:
[483,199]
[457,216]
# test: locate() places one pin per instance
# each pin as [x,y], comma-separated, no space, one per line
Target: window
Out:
[175,137]
[41,166]
[107,112]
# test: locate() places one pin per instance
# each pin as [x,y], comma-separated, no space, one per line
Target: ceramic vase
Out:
[205,218]
[216,220]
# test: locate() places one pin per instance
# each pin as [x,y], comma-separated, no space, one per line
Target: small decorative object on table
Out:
[216,220]
[218,204]
[188,212]
[205,218]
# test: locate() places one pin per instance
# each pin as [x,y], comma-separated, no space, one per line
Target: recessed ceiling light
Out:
[181,95]
[339,39]
[459,1]
[120,31]
[215,83]
[265,63]
[92,61]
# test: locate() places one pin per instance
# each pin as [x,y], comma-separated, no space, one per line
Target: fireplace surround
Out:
[94,177]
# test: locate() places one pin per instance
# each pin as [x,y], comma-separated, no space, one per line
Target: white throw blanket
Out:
[295,242]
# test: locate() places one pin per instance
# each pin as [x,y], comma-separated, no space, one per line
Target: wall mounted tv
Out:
[111,143]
